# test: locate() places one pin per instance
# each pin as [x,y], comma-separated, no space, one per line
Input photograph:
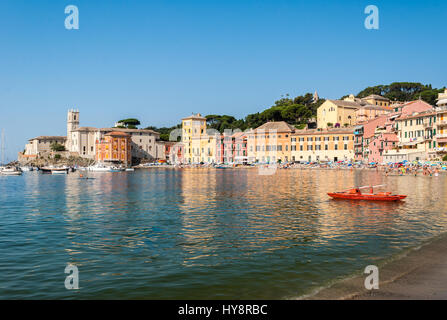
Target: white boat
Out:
[26,169]
[11,172]
[59,171]
[99,168]
[130,170]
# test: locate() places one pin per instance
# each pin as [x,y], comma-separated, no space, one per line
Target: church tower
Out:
[72,124]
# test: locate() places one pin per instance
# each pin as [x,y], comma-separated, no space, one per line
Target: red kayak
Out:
[356,194]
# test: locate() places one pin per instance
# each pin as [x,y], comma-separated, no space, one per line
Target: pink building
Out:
[366,145]
[240,147]
[370,112]
[380,143]
[234,148]
[408,108]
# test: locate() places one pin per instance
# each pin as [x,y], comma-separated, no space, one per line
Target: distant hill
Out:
[404,91]
[299,110]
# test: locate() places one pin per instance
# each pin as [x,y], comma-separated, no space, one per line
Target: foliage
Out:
[302,109]
[444,158]
[403,91]
[164,131]
[57,147]
[130,123]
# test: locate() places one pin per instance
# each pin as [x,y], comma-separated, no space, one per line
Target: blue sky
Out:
[161,60]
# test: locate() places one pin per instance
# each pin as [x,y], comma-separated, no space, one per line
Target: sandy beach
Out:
[417,274]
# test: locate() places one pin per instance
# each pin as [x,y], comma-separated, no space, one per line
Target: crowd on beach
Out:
[391,169]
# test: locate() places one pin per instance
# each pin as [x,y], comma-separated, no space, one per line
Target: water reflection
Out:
[203,233]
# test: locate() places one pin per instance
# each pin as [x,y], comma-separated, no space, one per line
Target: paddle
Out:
[365,187]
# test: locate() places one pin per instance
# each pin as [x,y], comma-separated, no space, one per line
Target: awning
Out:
[442,101]
[412,143]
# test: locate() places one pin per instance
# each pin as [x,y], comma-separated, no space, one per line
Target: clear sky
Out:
[161,60]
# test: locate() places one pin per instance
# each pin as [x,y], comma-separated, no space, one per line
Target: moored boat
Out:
[54,170]
[11,171]
[356,194]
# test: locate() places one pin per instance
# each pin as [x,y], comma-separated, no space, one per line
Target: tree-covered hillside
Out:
[299,110]
[404,91]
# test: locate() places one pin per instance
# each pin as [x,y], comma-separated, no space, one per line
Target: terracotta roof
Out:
[376,97]
[86,129]
[346,104]
[279,126]
[118,134]
[374,107]
[417,115]
[49,138]
[197,116]
[349,130]
[127,130]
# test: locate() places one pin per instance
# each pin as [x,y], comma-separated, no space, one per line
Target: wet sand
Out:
[418,274]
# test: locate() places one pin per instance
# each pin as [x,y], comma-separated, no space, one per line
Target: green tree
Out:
[130,123]
[56,147]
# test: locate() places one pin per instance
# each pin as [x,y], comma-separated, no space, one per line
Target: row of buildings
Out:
[118,145]
[372,129]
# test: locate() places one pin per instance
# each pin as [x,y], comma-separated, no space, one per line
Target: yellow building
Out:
[270,143]
[441,136]
[376,100]
[323,145]
[193,137]
[337,113]
[200,144]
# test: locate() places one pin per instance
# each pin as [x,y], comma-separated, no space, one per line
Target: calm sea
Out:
[203,233]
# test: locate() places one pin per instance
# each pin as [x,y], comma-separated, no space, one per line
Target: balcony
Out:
[442,122]
[441,135]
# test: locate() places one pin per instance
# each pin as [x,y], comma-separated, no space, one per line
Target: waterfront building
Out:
[335,144]
[82,141]
[173,151]
[114,147]
[381,143]
[441,125]
[365,133]
[146,145]
[240,147]
[193,137]
[42,144]
[233,148]
[272,142]
[358,142]
[73,122]
[416,134]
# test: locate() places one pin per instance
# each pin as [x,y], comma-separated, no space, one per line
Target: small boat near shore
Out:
[55,170]
[356,194]
[11,171]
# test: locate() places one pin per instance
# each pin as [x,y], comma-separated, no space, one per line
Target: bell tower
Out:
[72,124]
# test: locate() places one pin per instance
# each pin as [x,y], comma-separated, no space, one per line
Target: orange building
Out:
[114,147]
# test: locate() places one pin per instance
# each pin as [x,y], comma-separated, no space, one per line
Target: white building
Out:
[82,140]
[41,144]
